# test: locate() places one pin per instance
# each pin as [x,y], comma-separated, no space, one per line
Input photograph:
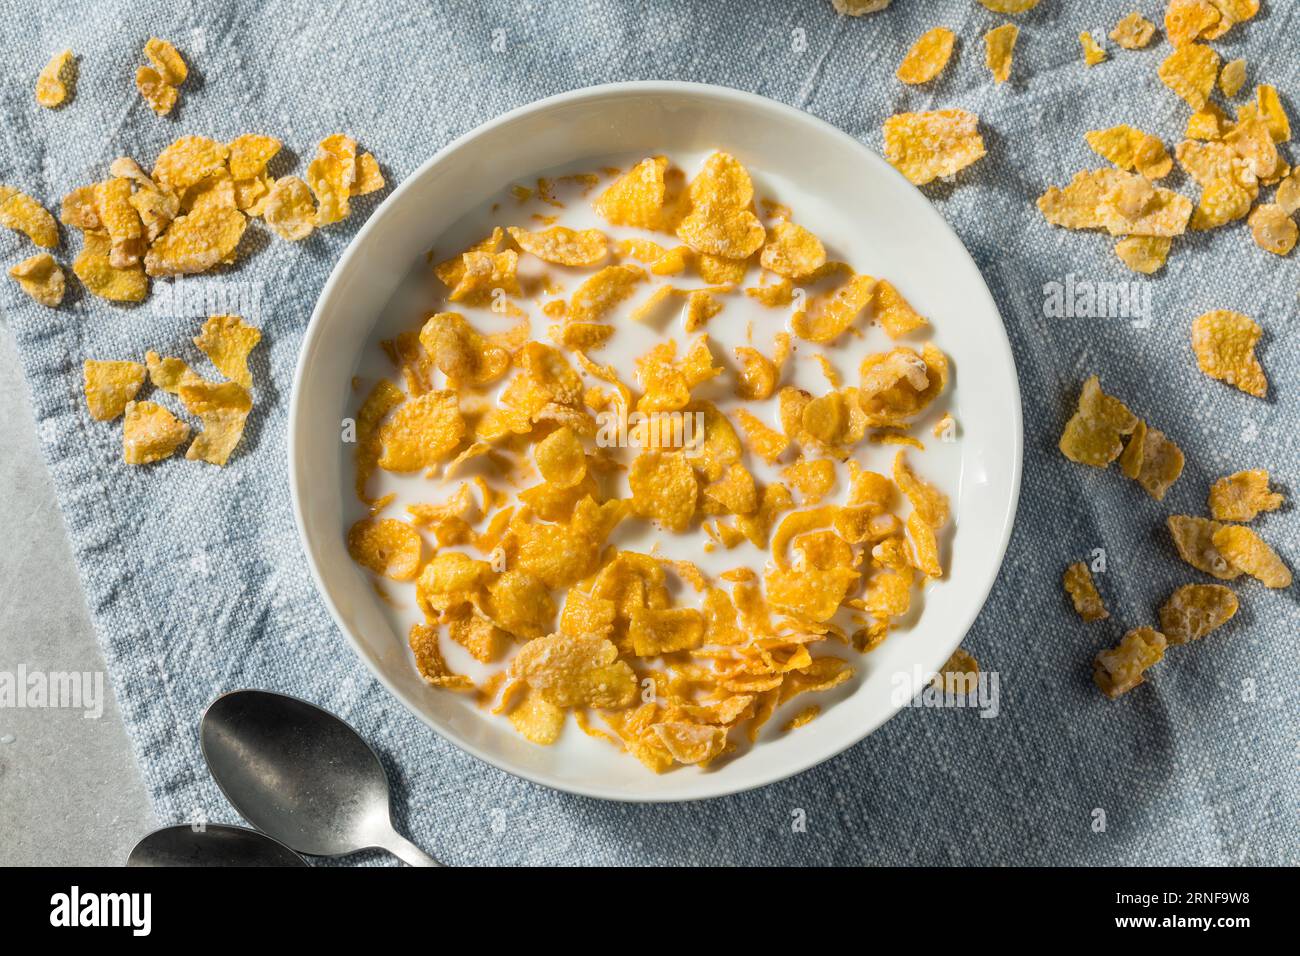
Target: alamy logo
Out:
[684,430]
[75,908]
[183,298]
[58,690]
[1077,298]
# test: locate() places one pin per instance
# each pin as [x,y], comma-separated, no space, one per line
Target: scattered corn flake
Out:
[386,546]
[1118,670]
[97,273]
[999,48]
[1133,32]
[1224,342]
[1194,610]
[804,717]
[1144,254]
[813,478]
[1077,205]
[764,441]
[1152,460]
[561,458]
[600,293]
[1288,194]
[894,313]
[1194,539]
[196,242]
[1093,434]
[718,270]
[828,316]
[1135,207]
[227,341]
[1132,150]
[41,278]
[160,95]
[289,209]
[1188,20]
[925,544]
[1269,108]
[188,161]
[1273,230]
[150,433]
[1092,50]
[537,720]
[166,60]
[1009,6]
[1247,551]
[331,175]
[927,57]
[730,232]
[1232,77]
[369,177]
[249,154]
[856,8]
[1083,593]
[22,213]
[958,673]
[1190,71]
[926,146]
[928,501]
[53,85]
[639,197]
[223,409]
[1242,496]
[792,251]
[1208,123]
[110,386]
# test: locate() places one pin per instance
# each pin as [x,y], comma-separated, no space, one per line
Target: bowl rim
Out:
[710,787]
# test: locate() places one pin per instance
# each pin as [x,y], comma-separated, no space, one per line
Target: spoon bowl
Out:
[301,774]
[217,844]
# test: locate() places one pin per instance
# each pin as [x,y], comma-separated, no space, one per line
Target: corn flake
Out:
[1224,342]
[331,175]
[1144,254]
[927,57]
[54,82]
[1194,610]
[421,432]
[227,341]
[1118,670]
[150,433]
[1093,53]
[1247,551]
[1272,229]
[792,251]
[926,146]
[22,213]
[196,242]
[999,47]
[41,278]
[1242,496]
[1194,539]
[575,671]
[223,409]
[93,266]
[289,209]
[1132,150]
[1133,32]
[663,488]
[1093,434]
[388,547]
[828,316]
[1190,71]
[1152,460]
[110,386]
[1083,593]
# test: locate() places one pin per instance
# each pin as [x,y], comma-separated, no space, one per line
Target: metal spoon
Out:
[217,844]
[301,775]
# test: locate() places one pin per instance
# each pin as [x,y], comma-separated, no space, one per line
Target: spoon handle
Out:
[408,852]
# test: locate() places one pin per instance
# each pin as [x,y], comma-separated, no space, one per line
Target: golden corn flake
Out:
[1242,496]
[1078,205]
[1118,670]
[1152,460]
[1093,434]
[562,245]
[1083,593]
[792,251]
[1268,106]
[926,146]
[999,47]
[369,177]
[1188,20]
[110,386]
[150,433]
[1232,77]
[1092,50]
[894,313]
[764,441]
[663,488]
[22,213]
[41,278]
[388,547]
[189,161]
[731,232]
[1194,610]
[196,242]
[1136,208]
[812,478]
[637,198]
[52,85]
[1132,150]
[1144,254]
[561,459]
[1009,6]
[155,90]
[250,153]
[828,316]
[1288,194]
[429,661]
[289,209]
[1190,71]
[227,340]
[94,268]
[928,501]
[166,60]
[899,384]
[1224,342]
[1133,32]
[928,56]
[1273,230]
[1194,539]
[223,409]
[571,670]
[1246,551]
[485,275]
[599,294]
[331,175]
[422,432]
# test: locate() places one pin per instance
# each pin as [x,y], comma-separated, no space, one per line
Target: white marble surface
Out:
[70,791]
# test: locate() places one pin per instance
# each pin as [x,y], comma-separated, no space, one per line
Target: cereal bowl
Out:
[864,208]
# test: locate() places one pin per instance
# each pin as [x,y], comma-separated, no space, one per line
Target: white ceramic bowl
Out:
[896,233]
